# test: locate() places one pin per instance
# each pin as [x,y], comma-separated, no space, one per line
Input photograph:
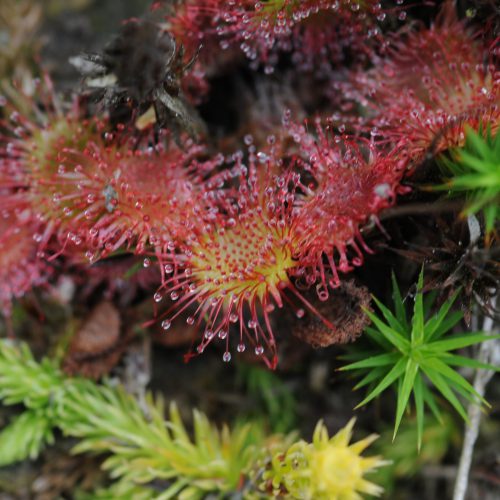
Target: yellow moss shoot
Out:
[326,469]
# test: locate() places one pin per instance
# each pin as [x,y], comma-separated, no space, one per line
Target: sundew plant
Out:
[238,188]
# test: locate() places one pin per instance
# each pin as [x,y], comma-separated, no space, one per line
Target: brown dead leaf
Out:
[344,310]
[96,347]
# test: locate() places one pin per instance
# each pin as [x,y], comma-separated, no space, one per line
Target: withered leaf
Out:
[96,347]
[344,310]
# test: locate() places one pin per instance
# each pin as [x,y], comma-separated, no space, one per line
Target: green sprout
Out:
[414,355]
[148,457]
[474,170]
[141,446]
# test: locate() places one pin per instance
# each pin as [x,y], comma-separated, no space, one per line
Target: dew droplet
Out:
[166,324]
[383,190]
